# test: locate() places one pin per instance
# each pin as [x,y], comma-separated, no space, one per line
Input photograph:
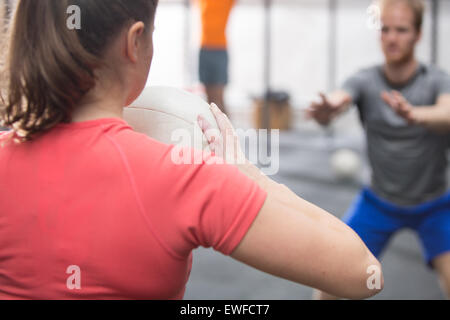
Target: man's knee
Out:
[442,267]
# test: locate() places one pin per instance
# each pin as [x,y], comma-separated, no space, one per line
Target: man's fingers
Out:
[390,100]
[324,99]
[403,105]
[313,107]
[399,104]
[386,97]
[401,99]
[398,96]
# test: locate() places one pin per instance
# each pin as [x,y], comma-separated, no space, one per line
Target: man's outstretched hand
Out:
[329,107]
[323,111]
[401,106]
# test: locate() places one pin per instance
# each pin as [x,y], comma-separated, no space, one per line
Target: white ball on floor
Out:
[345,163]
[169,115]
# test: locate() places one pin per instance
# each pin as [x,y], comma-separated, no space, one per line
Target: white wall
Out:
[444,33]
[168,63]
[299,51]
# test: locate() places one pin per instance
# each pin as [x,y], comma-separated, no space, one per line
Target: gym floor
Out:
[215,276]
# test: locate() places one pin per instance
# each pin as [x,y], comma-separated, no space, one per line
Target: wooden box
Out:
[280,113]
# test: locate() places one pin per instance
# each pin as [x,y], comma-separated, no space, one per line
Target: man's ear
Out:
[134,37]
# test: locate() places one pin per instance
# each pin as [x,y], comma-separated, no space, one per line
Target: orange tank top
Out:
[214,16]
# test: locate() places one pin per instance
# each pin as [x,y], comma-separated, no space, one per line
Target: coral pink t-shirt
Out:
[94,210]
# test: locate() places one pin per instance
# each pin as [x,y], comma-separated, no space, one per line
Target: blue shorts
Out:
[213,67]
[376,220]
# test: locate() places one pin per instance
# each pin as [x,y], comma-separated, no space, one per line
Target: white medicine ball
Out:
[345,163]
[169,115]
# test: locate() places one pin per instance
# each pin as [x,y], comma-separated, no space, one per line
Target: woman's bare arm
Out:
[295,240]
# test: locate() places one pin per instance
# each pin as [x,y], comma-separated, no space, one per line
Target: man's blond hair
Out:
[417,6]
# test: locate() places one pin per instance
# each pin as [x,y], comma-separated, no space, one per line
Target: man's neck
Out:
[400,73]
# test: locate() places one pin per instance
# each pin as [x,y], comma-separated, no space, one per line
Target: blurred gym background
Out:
[298,47]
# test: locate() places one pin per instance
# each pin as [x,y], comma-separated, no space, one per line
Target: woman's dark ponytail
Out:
[49,66]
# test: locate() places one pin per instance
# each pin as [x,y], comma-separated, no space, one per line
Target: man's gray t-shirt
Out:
[408,161]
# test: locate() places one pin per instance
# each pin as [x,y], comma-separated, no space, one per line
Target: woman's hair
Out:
[50,66]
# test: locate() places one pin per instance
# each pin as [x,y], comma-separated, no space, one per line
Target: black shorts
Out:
[213,66]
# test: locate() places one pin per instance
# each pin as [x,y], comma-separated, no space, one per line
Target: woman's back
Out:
[96,204]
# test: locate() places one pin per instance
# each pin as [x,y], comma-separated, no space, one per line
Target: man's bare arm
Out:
[435,118]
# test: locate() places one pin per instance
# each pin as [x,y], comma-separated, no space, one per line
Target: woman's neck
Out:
[100,104]
[95,113]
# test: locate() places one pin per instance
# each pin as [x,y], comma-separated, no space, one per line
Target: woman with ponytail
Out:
[90,209]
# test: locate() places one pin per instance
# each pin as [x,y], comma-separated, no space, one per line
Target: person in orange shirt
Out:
[214,59]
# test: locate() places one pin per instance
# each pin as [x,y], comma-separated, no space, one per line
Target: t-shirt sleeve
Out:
[353,86]
[201,202]
[215,204]
[443,84]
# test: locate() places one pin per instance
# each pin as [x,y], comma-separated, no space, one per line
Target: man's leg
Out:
[213,69]
[434,232]
[215,94]
[442,265]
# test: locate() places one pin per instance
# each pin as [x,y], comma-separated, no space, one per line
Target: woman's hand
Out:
[224,142]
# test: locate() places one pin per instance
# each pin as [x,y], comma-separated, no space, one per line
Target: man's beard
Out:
[405,58]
